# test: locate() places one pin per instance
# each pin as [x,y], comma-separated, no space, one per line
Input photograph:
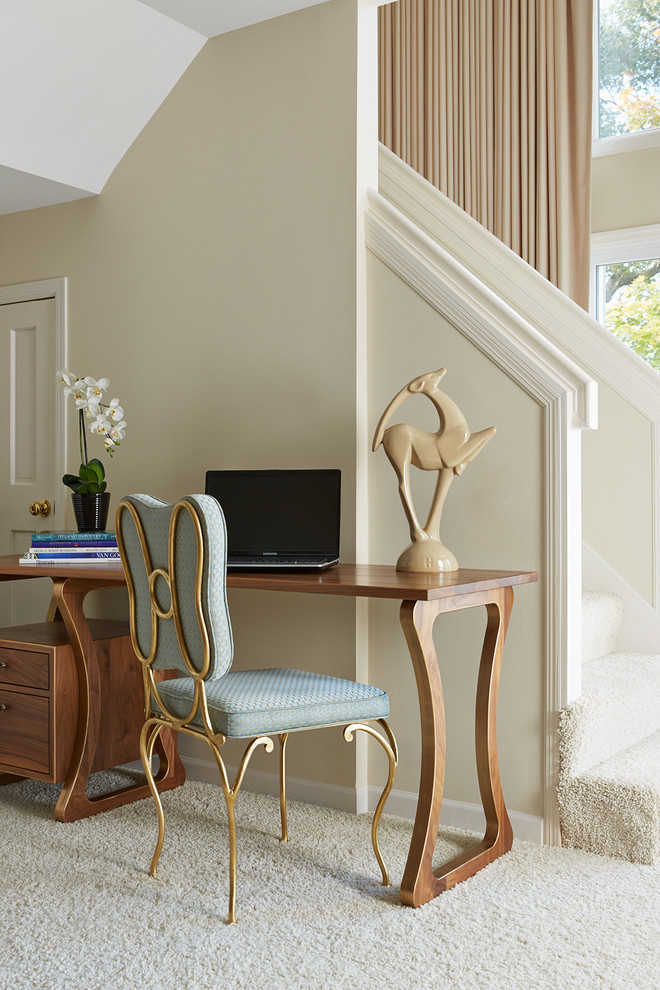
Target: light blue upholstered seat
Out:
[246,703]
[175,562]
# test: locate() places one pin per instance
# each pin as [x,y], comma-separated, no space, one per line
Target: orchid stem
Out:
[83,439]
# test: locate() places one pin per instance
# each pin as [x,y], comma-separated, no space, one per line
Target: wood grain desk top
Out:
[352,580]
[380,581]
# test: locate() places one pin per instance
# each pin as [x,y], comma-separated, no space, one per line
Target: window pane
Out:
[629,66]
[629,305]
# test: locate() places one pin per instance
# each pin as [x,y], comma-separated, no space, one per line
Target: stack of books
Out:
[89,549]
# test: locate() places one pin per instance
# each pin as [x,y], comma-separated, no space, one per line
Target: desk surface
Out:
[352,580]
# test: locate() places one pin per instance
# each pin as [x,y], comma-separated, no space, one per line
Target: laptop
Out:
[283,520]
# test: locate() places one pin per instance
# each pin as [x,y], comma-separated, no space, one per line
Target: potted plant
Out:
[91,500]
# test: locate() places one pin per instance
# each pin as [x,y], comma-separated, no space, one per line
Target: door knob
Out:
[40,508]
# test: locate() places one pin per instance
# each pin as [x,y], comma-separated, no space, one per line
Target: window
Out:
[626,288]
[627,76]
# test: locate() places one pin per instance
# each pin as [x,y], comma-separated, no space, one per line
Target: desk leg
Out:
[73,803]
[420,882]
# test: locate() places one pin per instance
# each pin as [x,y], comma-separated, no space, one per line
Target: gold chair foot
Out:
[390,747]
[283,738]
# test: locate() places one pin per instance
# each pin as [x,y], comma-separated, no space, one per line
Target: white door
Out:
[27,446]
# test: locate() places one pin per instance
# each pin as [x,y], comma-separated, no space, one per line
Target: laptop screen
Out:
[275,513]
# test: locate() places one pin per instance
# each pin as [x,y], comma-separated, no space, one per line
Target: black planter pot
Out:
[91,511]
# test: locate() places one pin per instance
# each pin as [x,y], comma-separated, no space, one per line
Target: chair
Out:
[175,561]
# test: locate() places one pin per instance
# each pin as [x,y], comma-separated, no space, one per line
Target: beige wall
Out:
[624,190]
[617,490]
[213,281]
[618,458]
[493,518]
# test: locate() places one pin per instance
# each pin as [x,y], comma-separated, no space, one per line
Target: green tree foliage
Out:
[629,65]
[623,274]
[633,314]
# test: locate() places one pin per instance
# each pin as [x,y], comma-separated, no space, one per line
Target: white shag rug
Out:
[78,910]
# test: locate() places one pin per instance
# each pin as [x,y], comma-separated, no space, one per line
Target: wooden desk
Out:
[423,597]
[108,726]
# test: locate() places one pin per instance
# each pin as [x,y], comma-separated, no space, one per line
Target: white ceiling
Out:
[211,17]
[80,80]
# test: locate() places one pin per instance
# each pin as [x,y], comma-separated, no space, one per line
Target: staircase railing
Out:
[632,382]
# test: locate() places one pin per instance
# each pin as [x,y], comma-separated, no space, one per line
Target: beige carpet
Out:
[79,911]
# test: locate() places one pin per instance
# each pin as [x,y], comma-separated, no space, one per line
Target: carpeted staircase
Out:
[609,744]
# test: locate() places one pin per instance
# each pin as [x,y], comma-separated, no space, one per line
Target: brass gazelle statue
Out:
[448,452]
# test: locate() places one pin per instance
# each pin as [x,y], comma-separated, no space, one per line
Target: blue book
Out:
[74,537]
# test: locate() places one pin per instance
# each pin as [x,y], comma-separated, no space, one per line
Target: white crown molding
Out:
[569,399]
[56,289]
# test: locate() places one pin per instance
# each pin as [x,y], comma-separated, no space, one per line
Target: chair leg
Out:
[283,738]
[231,793]
[148,736]
[390,747]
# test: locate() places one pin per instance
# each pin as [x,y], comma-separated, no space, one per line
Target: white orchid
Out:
[101,425]
[95,389]
[115,411]
[106,421]
[118,432]
[68,380]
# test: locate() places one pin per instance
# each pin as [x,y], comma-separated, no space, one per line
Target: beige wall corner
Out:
[215,282]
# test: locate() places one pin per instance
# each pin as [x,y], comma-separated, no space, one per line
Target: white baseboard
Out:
[454,814]
[460,814]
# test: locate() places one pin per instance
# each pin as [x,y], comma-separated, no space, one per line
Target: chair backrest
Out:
[175,557]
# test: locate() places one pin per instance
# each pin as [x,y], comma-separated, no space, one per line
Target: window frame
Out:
[616,144]
[611,247]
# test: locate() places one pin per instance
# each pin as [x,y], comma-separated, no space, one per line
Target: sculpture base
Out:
[428,556]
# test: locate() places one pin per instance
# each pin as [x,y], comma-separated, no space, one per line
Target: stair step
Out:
[619,706]
[602,615]
[613,808]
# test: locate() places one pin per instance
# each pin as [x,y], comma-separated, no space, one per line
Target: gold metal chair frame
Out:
[156,721]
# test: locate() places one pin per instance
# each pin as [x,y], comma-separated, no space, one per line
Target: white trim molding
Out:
[609,247]
[624,144]
[363,800]
[56,289]
[510,313]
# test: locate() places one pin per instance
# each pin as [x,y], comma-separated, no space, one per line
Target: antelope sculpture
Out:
[448,452]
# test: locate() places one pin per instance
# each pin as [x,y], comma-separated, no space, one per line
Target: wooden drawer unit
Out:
[25,732]
[26,668]
[39,699]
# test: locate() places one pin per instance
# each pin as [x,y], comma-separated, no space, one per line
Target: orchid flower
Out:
[101,425]
[115,411]
[118,432]
[106,422]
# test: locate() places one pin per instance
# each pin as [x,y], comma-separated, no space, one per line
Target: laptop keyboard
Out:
[276,561]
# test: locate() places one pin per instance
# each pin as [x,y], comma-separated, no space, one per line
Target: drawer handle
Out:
[2,664]
[3,708]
